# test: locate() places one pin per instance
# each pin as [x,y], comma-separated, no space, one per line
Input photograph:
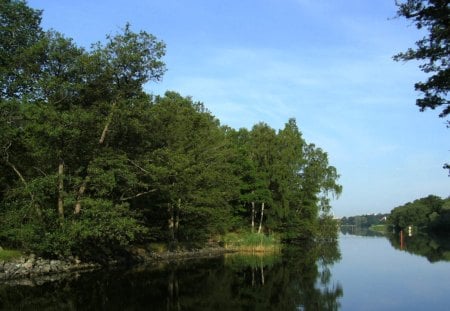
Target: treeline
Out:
[431,213]
[91,163]
[364,221]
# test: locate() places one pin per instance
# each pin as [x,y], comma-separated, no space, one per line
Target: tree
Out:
[429,213]
[191,163]
[20,33]
[90,162]
[433,50]
[69,162]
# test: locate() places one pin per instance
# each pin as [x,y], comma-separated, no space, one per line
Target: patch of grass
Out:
[9,254]
[158,247]
[251,242]
[378,228]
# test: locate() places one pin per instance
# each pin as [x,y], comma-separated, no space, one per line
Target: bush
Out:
[102,230]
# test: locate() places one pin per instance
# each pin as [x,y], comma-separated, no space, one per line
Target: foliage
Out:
[90,163]
[364,221]
[430,213]
[432,50]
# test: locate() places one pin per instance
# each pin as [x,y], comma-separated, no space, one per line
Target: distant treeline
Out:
[431,213]
[364,221]
[90,163]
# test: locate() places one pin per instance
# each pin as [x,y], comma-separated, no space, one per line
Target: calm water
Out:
[376,276]
[363,273]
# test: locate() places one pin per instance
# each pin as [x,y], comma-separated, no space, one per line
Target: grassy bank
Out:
[7,254]
[251,242]
[379,228]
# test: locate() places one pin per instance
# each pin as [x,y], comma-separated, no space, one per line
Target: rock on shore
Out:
[32,266]
[28,269]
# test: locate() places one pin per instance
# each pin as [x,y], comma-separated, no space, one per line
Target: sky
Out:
[326,63]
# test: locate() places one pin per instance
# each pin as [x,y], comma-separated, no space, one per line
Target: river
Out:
[361,273]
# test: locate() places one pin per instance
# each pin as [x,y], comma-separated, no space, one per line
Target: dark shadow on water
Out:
[434,247]
[298,279]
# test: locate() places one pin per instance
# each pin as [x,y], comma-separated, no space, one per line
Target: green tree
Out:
[63,145]
[20,34]
[191,163]
[427,213]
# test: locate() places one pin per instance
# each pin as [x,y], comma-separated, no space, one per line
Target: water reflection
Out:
[434,248]
[357,230]
[298,279]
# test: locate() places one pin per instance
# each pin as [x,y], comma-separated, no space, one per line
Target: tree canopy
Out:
[90,163]
[431,213]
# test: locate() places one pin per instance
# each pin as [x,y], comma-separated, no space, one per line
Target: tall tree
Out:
[191,163]
[63,143]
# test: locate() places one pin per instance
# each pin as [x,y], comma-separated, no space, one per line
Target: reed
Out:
[251,242]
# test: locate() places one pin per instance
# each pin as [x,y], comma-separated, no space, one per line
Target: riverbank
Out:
[30,266]
[32,270]
[23,267]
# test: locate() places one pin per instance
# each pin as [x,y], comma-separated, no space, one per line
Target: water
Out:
[376,276]
[368,273]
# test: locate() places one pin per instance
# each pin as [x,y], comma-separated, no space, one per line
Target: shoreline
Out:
[31,270]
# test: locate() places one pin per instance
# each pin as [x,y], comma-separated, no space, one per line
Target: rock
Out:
[54,263]
[45,268]
[28,264]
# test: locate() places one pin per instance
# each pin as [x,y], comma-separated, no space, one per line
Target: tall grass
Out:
[7,254]
[251,242]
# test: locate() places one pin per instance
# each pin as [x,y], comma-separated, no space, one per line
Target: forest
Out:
[364,221]
[430,213]
[91,163]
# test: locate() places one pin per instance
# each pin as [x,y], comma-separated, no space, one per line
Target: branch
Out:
[137,195]
[22,179]
[82,188]
[141,168]
[108,123]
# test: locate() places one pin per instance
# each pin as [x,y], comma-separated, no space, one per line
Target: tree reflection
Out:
[433,247]
[297,279]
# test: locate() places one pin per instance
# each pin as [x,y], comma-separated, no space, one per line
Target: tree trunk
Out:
[79,197]
[253,217]
[60,191]
[261,219]
[171,221]
[177,218]
[108,123]
[82,188]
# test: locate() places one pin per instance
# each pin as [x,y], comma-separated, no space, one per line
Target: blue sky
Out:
[327,63]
